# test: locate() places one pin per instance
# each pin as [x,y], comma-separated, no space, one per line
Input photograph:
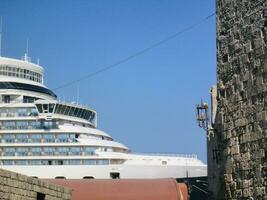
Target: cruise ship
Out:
[43,137]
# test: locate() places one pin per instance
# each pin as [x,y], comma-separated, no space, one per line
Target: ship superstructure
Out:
[46,138]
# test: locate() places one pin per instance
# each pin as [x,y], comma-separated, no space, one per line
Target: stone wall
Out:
[238,146]
[15,186]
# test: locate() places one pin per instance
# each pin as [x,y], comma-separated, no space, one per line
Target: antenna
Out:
[26,57]
[78,94]
[27,46]
[1,29]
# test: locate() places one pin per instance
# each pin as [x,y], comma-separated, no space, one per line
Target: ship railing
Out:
[167,154]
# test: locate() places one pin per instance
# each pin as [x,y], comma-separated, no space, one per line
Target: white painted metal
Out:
[119,158]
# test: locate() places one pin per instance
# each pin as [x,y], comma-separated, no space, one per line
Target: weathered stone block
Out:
[246,192]
[235,149]
[228,177]
[14,186]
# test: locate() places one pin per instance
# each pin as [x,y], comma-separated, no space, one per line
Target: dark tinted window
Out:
[27,99]
[39,107]
[74,111]
[23,86]
[7,99]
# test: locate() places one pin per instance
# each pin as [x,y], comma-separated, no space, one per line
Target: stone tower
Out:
[238,146]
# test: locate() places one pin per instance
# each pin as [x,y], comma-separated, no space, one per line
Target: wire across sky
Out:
[136,54]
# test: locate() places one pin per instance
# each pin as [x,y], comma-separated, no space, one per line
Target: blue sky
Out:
[147,103]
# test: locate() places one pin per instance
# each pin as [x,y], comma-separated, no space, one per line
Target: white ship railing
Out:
[167,154]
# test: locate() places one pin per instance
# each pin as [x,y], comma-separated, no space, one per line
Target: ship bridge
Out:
[51,108]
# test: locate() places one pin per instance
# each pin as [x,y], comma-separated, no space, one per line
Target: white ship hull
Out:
[103,172]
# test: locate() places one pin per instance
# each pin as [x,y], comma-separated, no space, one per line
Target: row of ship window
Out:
[45,138]
[18,112]
[51,151]
[20,73]
[38,138]
[15,125]
[56,162]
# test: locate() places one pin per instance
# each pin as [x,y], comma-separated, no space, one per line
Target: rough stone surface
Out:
[15,186]
[238,148]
